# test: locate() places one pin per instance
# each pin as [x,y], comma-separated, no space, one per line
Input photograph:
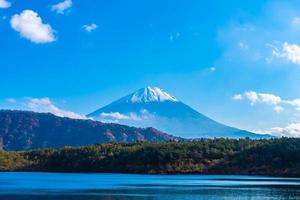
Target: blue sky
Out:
[85,54]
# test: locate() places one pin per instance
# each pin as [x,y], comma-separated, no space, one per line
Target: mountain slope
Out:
[20,130]
[153,107]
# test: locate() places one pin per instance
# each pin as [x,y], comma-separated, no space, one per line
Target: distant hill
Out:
[22,130]
[151,106]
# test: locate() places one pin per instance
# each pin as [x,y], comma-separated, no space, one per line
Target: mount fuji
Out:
[153,107]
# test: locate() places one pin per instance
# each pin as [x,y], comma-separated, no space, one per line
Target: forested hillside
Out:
[278,157]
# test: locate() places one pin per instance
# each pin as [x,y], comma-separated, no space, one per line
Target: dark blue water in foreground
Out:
[61,186]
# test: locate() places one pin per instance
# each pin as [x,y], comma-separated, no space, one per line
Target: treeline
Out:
[280,157]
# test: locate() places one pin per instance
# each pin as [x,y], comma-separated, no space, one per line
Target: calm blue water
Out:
[62,186]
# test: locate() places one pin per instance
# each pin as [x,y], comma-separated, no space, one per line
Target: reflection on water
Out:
[63,186]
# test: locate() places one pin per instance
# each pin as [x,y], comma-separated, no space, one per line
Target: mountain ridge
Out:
[22,130]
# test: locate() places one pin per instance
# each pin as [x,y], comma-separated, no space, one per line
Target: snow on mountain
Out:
[148,94]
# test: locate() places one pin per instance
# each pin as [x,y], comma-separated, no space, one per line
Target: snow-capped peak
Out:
[150,94]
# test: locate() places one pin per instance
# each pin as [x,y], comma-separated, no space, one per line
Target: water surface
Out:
[68,186]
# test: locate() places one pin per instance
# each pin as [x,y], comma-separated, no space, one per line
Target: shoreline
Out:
[273,178]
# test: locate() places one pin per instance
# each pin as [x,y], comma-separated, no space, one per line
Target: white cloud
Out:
[90,28]
[291,130]
[120,116]
[269,99]
[261,132]
[44,105]
[252,96]
[62,6]
[30,26]
[294,102]
[5,4]
[237,97]
[115,115]
[255,97]
[132,116]
[290,52]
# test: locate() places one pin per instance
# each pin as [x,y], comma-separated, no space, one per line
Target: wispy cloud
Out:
[237,97]
[43,105]
[30,26]
[294,102]
[290,52]
[62,6]
[46,105]
[5,4]
[132,116]
[255,97]
[269,99]
[90,28]
[120,116]
[291,130]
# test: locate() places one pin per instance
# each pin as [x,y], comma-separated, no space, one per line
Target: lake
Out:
[69,186]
